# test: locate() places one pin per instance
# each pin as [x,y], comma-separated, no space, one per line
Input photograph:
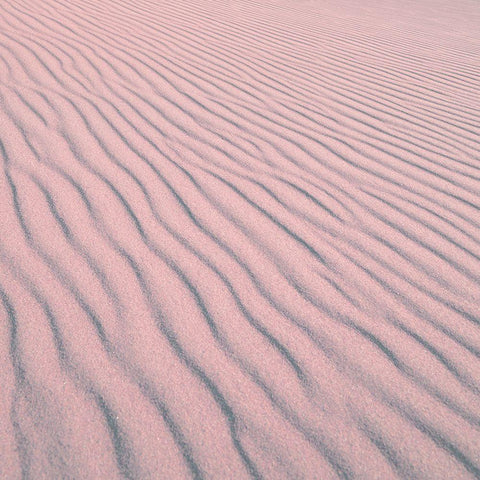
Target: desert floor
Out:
[240,239]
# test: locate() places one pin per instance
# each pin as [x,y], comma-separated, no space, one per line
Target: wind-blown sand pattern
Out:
[239,239]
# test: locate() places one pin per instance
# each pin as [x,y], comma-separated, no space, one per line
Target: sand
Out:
[240,239]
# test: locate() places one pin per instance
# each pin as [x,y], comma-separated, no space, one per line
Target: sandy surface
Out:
[239,239]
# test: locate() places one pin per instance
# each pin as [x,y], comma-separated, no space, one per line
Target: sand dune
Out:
[240,239]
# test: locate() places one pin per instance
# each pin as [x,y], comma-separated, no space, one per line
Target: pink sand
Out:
[240,239]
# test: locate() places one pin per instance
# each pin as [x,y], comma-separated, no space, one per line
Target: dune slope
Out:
[239,239]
